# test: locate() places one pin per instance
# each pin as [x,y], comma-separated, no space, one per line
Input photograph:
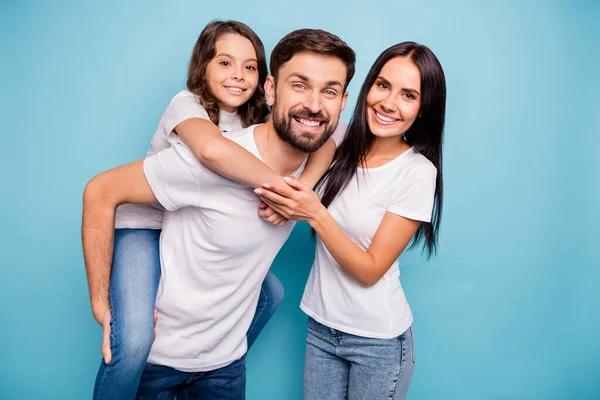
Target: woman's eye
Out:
[251,68]
[225,63]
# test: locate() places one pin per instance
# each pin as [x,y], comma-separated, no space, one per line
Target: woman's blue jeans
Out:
[340,366]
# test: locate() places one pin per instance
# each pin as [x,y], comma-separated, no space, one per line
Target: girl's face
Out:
[232,74]
[394,100]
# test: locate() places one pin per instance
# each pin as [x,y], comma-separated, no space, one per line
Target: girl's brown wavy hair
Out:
[255,109]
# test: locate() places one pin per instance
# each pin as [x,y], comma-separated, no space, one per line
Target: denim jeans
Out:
[164,383]
[341,366]
[133,286]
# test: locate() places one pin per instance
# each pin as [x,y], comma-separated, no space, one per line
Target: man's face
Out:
[307,98]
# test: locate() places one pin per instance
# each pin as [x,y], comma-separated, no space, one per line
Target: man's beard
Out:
[303,141]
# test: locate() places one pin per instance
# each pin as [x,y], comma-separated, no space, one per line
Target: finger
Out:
[267,194]
[106,353]
[282,190]
[281,221]
[266,213]
[274,218]
[262,206]
[277,219]
[295,183]
[155,319]
[277,208]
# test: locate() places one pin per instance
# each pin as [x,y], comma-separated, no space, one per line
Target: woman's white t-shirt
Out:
[405,186]
[182,107]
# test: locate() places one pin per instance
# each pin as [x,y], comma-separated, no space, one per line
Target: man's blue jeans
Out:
[164,383]
[133,286]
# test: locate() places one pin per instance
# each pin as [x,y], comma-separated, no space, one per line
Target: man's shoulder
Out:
[244,137]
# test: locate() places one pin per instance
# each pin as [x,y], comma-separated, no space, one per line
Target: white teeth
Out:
[384,118]
[234,89]
[308,122]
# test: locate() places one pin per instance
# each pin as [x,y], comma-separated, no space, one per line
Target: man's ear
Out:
[270,90]
[344,100]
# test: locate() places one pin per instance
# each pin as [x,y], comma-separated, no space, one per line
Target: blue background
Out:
[509,308]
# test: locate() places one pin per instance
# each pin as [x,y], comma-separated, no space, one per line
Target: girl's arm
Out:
[318,162]
[222,155]
[394,233]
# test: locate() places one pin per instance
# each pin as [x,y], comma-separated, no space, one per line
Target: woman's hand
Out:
[296,201]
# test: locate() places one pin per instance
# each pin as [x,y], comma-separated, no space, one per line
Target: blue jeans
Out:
[164,383]
[339,365]
[133,286]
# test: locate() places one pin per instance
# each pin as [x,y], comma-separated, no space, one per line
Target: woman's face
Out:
[394,101]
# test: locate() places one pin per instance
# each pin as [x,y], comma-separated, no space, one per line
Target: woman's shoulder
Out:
[417,161]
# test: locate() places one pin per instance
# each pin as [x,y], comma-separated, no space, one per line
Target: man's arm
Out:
[102,195]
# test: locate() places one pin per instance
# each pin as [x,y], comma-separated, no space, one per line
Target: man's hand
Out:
[106,351]
[269,215]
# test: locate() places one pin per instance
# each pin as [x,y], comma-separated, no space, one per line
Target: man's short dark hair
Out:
[317,41]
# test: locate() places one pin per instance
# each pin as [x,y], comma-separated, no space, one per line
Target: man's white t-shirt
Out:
[405,186]
[183,106]
[215,253]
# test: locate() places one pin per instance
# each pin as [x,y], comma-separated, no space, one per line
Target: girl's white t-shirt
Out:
[183,106]
[405,186]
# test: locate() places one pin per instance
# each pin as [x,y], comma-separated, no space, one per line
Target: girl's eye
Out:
[225,63]
[251,68]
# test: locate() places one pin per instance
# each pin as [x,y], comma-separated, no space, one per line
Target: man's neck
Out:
[279,155]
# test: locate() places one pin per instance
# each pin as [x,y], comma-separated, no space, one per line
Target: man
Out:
[215,250]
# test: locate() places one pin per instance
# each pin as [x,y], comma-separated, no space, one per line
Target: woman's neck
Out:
[384,150]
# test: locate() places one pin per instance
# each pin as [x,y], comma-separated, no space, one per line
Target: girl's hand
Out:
[296,201]
[270,215]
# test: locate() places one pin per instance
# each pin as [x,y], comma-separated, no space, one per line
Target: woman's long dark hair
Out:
[425,134]
[255,109]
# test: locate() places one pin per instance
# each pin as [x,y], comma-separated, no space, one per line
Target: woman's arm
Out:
[222,155]
[394,233]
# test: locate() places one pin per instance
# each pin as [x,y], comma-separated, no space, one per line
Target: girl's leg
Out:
[325,373]
[271,294]
[133,286]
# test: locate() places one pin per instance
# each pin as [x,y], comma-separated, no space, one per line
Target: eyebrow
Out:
[383,80]
[230,56]
[307,79]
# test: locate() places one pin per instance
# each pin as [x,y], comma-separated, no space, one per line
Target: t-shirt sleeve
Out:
[181,108]
[173,176]
[339,133]
[415,194]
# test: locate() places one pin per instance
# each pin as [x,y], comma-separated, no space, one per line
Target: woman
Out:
[383,191]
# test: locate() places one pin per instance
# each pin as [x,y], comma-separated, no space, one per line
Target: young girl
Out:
[383,190]
[225,89]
